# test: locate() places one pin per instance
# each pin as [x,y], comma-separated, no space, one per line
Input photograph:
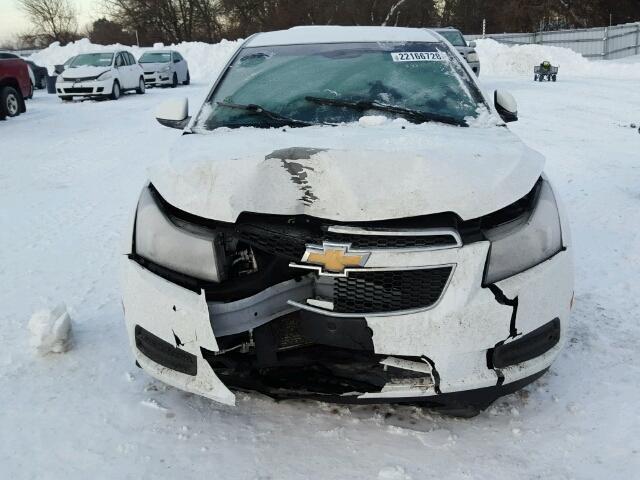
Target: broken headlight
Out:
[526,241]
[162,242]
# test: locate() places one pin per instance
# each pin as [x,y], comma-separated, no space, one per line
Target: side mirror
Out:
[472,44]
[58,69]
[173,113]
[506,105]
[176,60]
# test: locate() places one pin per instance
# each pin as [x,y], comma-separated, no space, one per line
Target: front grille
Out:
[79,79]
[389,291]
[392,241]
[79,90]
[292,246]
[275,243]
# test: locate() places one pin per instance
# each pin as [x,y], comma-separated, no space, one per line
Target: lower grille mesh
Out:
[389,291]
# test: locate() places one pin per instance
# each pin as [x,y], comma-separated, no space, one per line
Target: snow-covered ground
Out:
[69,178]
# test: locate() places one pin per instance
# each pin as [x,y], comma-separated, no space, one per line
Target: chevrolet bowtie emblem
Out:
[334,258]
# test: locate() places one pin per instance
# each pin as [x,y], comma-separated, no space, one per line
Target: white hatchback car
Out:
[103,74]
[165,68]
[348,219]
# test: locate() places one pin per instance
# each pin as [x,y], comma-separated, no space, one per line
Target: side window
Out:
[132,60]
[177,57]
[119,60]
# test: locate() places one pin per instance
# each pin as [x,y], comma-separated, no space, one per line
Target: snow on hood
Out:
[84,71]
[358,172]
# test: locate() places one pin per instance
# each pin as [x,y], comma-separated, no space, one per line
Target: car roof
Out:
[158,51]
[337,34]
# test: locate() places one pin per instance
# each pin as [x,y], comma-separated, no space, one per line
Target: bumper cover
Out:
[462,340]
[84,89]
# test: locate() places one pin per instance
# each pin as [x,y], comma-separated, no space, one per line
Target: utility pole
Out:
[484,27]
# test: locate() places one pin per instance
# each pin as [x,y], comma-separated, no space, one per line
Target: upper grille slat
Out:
[392,241]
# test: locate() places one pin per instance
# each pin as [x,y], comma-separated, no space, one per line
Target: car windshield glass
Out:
[454,37]
[155,57]
[420,81]
[92,60]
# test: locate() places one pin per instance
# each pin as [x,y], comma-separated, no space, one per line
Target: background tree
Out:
[52,20]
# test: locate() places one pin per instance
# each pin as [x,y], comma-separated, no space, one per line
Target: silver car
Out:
[164,68]
[467,50]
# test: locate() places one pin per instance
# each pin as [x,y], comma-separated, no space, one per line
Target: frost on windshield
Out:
[422,77]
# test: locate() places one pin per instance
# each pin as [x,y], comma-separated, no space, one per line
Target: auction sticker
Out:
[418,57]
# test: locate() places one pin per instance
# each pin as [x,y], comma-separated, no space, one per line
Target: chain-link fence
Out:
[598,43]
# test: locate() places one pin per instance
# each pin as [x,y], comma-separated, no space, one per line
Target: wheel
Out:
[174,84]
[188,80]
[66,98]
[43,82]
[535,78]
[115,92]
[141,87]
[10,100]
[553,77]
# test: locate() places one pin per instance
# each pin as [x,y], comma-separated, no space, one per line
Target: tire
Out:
[553,78]
[188,80]
[535,78]
[43,83]
[10,101]
[174,84]
[115,91]
[141,87]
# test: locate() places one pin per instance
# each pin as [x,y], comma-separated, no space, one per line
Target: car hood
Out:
[85,71]
[153,67]
[354,172]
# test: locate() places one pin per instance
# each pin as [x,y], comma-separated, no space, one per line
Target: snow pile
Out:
[205,59]
[51,330]
[500,59]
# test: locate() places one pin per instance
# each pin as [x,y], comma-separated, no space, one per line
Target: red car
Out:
[15,86]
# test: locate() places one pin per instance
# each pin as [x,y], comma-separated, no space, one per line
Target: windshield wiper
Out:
[408,113]
[257,109]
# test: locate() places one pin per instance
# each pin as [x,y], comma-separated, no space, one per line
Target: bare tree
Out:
[52,19]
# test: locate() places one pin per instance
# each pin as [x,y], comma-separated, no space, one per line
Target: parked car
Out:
[39,74]
[164,67]
[15,86]
[349,219]
[467,50]
[103,74]
[9,55]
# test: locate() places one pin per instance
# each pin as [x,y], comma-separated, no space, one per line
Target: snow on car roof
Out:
[336,34]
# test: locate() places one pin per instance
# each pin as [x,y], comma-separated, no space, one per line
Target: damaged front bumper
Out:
[455,352]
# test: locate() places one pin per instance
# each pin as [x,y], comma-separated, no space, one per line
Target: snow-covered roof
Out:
[336,34]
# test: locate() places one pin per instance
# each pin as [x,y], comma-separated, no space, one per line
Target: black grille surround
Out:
[385,291]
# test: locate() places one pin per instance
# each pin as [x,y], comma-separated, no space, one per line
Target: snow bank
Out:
[205,59]
[503,60]
[51,330]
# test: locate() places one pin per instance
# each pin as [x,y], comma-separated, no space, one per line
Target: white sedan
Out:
[104,74]
[349,219]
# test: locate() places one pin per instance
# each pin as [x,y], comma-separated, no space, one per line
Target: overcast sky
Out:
[13,21]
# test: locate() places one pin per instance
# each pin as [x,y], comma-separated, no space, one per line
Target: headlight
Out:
[472,57]
[165,69]
[104,76]
[158,239]
[527,241]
